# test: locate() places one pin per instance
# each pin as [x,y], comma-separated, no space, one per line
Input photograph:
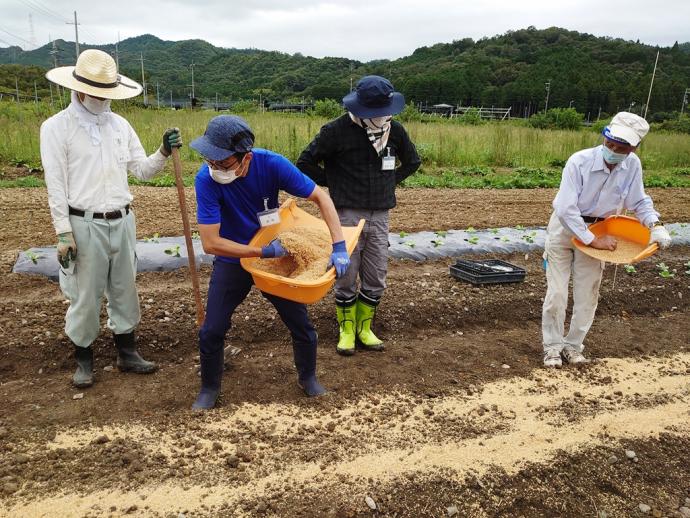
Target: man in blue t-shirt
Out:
[235,191]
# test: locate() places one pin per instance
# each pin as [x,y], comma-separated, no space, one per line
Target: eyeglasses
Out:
[229,163]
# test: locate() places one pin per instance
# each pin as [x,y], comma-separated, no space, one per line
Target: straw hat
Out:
[95,74]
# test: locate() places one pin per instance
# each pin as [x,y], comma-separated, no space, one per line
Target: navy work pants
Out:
[228,287]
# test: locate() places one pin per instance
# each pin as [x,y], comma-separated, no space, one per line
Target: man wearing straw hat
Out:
[365,154]
[237,193]
[87,151]
[596,183]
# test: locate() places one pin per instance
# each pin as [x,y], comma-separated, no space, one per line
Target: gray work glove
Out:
[66,249]
[171,138]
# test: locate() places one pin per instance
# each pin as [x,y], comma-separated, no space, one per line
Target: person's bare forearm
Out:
[328,212]
[227,248]
[214,244]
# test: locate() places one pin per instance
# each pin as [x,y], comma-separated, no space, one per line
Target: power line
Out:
[15,36]
[45,11]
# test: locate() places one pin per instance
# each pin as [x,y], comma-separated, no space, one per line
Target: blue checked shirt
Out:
[588,188]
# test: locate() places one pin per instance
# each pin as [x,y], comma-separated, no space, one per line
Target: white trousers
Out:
[563,258]
[106,264]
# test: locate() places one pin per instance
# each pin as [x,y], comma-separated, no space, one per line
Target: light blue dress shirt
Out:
[588,188]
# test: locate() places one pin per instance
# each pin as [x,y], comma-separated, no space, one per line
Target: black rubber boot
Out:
[305,361]
[83,376]
[128,358]
[211,376]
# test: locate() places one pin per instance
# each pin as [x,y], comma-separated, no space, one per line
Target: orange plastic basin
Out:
[621,227]
[305,292]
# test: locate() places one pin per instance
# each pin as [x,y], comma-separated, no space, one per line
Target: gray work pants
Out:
[106,264]
[369,260]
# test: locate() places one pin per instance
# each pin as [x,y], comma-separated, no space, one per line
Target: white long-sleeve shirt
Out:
[87,175]
[588,188]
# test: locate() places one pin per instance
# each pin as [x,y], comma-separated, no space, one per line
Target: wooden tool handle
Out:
[188,236]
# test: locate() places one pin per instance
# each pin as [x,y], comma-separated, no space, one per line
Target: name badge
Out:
[268,216]
[388,163]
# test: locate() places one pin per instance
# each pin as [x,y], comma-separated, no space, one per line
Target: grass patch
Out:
[502,155]
[523,178]
[26,181]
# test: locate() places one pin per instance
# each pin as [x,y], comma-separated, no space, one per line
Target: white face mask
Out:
[223,176]
[95,106]
[378,123]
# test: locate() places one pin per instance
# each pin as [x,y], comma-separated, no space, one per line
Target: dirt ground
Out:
[455,418]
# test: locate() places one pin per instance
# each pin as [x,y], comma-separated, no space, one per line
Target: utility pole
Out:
[649,95]
[76,33]
[171,103]
[158,99]
[192,67]
[16,87]
[548,90]
[117,51]
[53,52]
[143,78]
[35,93]
[50,85]
[599,114]
[685,101]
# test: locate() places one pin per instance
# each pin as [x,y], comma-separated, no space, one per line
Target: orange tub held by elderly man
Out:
[632,236]
[301,276]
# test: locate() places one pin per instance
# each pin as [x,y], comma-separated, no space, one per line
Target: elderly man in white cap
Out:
[596,183]
[87,151]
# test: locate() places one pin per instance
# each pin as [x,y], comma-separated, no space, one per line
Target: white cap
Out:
[627,127]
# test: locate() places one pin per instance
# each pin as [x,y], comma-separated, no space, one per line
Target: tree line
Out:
[585,72]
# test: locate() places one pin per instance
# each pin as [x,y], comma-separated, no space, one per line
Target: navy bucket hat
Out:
[225,135]
[374,96]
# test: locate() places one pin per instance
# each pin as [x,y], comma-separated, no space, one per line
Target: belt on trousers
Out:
[591,219]
[115,214]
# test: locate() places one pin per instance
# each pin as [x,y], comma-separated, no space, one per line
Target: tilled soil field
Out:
[455,418]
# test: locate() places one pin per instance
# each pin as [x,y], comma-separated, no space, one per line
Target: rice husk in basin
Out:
[625,252]
[309,252]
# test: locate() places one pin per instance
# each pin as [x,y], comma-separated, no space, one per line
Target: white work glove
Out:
[660,235]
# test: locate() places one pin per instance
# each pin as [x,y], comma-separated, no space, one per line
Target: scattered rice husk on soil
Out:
[309,253]
[625,252]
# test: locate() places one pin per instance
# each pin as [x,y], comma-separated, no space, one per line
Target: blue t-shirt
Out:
[236,204]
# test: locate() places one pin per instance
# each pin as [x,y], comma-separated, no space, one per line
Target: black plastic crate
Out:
[491,271]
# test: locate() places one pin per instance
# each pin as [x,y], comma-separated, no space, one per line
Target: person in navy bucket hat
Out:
[374,96]
[237,194]
[361,157]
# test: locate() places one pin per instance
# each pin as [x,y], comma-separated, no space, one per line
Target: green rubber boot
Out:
[366,310]
[345,310]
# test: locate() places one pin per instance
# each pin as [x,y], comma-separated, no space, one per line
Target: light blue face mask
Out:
[612,158]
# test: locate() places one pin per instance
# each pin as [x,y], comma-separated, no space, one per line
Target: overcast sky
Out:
[359,29]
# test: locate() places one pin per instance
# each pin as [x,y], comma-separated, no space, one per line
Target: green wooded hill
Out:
[505,70]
